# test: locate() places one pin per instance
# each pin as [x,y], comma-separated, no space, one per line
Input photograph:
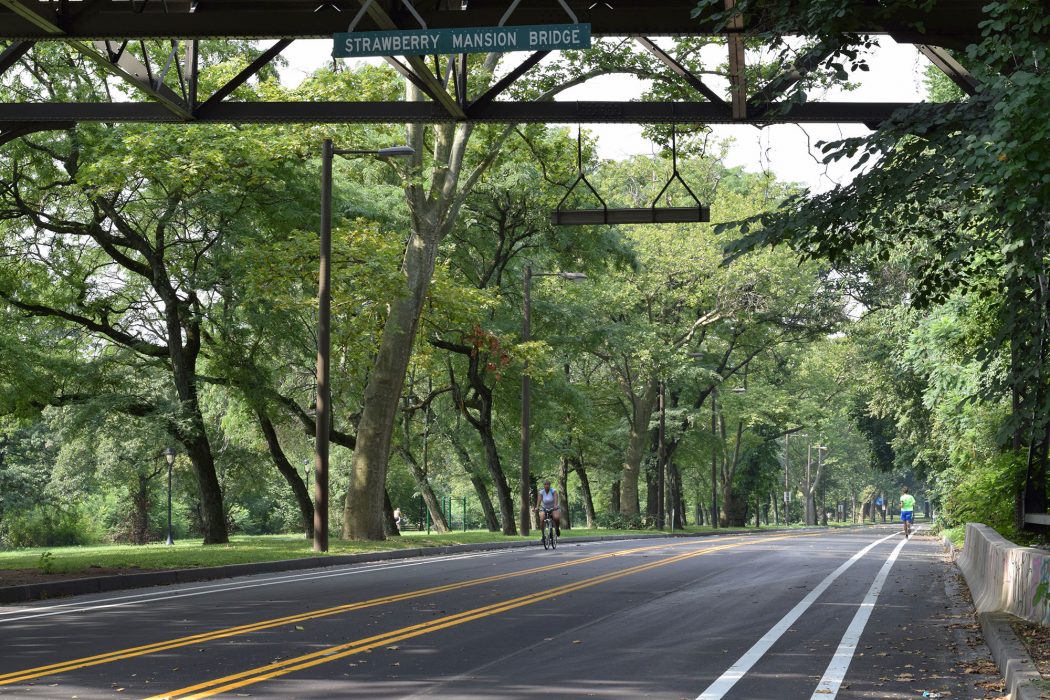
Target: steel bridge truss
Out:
[106,31]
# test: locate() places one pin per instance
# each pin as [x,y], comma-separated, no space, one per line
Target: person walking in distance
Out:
[907,510]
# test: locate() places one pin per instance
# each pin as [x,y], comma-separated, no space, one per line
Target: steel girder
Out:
[177,99]
[429,112]
[951,23]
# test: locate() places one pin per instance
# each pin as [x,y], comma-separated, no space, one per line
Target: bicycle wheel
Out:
[554,538]
[546,539]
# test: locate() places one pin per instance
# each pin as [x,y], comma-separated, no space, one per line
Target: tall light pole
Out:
[169,457]
[823,484]
[786,497]
[661,461]
[714,458]
[306,478]
[526,390]
[324,334]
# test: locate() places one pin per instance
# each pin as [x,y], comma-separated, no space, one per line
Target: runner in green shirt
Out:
[907,510]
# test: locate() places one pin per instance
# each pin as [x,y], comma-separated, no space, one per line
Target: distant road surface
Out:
[817,614]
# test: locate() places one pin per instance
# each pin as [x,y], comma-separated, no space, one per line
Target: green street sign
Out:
[422,42]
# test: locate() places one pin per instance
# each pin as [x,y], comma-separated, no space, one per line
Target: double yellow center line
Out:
[333,653]
[132,652]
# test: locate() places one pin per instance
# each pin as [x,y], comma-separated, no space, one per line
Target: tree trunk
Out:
[479,485]
[363,513]
[437,516]
[198,449]
[563,486]
[140,514]
[677,514]
[499,481]
[388,516]
[491,521]
[734,508]
[585,492]
[811,495]
[652,487]
[290,473]
[642,412]
[482,422]
[614,497]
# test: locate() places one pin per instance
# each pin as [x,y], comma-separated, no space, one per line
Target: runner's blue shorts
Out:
[906,516]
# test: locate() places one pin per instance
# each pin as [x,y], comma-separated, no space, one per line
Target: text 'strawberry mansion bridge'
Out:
[126,37]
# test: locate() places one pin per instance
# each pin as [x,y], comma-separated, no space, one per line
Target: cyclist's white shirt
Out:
[548,498]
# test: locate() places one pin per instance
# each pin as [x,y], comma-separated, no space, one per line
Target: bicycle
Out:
[549,531]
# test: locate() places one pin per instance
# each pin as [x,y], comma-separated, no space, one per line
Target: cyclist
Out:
[907,510]
[549,501]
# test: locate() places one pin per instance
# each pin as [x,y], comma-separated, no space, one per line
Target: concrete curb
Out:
[1023,680]
[102,584]
[950,547]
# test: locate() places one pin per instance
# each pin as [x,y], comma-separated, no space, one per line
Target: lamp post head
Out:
[396,152]
[739,390]
[169,455]
[573,276]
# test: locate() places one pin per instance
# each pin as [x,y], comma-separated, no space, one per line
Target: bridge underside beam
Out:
[429,112]
[952,23]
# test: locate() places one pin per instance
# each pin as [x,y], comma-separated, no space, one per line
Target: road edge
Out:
[29,592]
[1008,651]
[1016,666]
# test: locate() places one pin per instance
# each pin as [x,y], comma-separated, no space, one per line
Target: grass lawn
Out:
[253,548]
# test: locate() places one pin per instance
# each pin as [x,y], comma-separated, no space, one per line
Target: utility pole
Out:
[324,332]
[661,479]
[526,406]
[714,459]
[786,493]
[823,486]
[324,350]
[810,520]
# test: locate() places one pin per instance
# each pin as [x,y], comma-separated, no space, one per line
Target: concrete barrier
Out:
[1005,577]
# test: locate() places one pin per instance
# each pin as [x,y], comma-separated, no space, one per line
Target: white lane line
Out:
[107,604]
[727,680]
[836,672]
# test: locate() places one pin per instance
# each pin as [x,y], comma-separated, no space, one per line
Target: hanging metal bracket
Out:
[652,214]
[514,6]
[581,177]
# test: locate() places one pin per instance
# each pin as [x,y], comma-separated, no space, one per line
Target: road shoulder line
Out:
[831,681]
[724,683]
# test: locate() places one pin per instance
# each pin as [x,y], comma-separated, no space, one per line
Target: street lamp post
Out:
[823,484]
[169,457]
[526,390]
[714,458]
[661,462]
[306,478]
[324,333]
[786,496]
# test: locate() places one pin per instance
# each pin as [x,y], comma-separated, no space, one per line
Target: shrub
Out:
[49,525]
[982,493]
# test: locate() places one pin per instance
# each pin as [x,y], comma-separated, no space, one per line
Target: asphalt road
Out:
[851,614]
